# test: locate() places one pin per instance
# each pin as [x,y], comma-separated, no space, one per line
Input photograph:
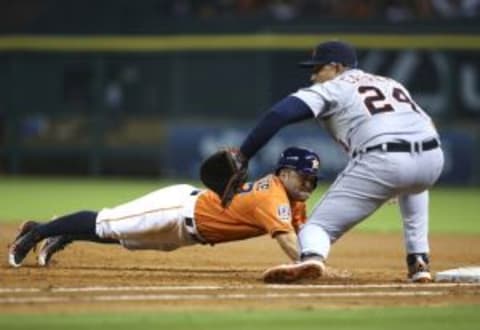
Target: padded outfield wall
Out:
[155,105]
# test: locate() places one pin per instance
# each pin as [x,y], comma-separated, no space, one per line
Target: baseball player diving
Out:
[183,215]
[394,151]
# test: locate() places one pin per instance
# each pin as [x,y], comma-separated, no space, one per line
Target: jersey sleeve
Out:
[312,97]
[273,211]
[299,215]
[323,98]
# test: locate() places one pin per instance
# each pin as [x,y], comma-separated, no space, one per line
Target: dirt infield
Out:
[363,270]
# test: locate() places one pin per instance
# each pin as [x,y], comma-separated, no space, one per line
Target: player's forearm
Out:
[288,243]
[287,111]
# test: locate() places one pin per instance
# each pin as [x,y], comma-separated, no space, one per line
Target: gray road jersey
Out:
[361,109]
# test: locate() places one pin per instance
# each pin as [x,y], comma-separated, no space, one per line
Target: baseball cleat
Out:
[418,269]
[49,247]
[24,242]
[421,277]
[289,273]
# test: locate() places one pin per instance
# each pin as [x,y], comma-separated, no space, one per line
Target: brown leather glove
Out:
[224,172]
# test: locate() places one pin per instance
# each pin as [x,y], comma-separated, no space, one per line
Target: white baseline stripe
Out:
[241,287]
[14,290]
[241,296]
[372,286]
[116,288]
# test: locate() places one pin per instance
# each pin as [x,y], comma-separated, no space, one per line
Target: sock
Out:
[412,258]
[80,223]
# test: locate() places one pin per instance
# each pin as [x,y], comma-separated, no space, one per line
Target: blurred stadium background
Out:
[149,88]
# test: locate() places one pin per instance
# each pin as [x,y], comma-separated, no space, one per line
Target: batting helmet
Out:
[332,52]
[300,159]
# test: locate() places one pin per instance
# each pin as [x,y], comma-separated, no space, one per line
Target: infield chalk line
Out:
[233,296]
[241,287]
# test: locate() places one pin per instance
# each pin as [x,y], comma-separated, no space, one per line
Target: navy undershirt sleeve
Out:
[289,110]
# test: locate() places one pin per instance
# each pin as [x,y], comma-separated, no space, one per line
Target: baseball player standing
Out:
[182,215]
[394,148]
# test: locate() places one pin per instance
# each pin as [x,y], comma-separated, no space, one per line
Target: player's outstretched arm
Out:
[287,111]
[288,243]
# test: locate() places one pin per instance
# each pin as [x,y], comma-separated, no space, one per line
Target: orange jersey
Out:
[262,207]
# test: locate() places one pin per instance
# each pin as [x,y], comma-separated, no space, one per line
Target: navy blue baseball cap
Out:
[332,52]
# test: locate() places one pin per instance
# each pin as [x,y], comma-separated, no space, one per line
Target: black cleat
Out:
[25,241]
[51,246]
[418,268]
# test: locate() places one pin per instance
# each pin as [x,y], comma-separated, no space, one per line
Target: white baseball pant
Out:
[154,221]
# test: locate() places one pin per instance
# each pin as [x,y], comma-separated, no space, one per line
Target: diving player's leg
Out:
[154,221]
[55,244]
[31,233]
[157,212]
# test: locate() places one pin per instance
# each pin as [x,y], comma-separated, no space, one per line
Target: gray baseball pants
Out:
[367,182]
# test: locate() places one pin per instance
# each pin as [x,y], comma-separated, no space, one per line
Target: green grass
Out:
[43,197]
[452,210]
[436,318]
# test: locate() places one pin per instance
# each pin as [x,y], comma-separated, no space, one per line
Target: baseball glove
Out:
[224,172]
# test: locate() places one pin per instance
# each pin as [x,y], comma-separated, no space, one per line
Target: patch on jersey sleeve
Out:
[284,213]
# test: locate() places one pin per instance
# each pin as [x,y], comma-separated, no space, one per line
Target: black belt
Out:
[189,222]
[400,147]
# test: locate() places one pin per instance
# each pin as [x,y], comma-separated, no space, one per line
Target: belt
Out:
[400,147]
[192,231]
